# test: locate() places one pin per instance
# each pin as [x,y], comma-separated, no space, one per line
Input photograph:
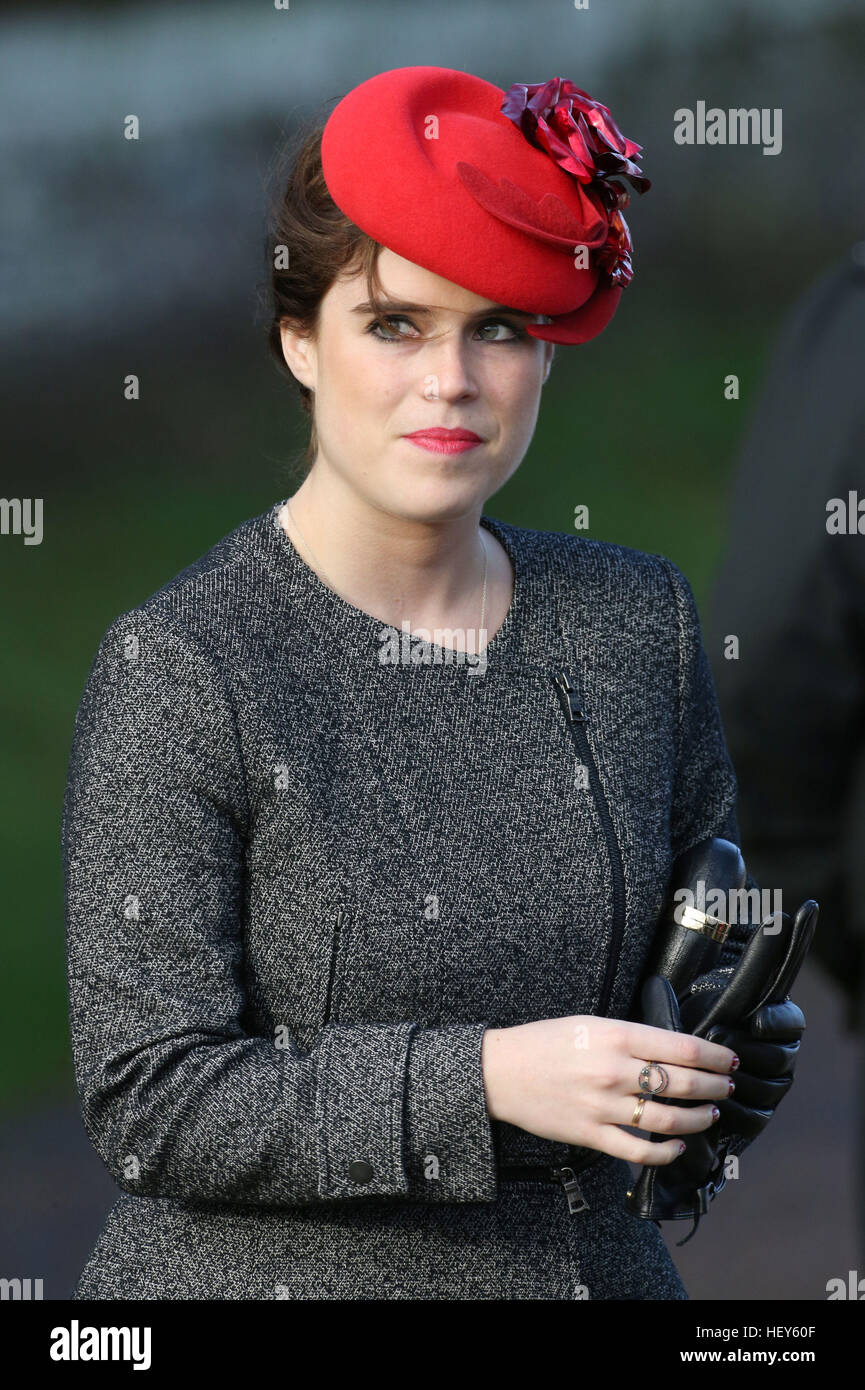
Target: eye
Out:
[516,334]
[377,327]
[381,323]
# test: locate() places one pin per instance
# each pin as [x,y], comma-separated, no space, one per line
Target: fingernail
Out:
[682,1148]
[716,1114]
[732,1088]
[734,1064]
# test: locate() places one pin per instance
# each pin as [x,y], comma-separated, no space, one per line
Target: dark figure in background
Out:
[792,589]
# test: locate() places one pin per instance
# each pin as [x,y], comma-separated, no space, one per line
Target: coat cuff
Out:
[451,1153]
[401,1111]
[359,1109]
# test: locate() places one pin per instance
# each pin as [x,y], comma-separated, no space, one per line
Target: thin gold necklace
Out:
[336,591]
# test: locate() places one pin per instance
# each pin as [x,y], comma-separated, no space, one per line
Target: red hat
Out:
[511,195]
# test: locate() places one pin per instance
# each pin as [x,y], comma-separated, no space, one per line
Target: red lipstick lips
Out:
[441,441]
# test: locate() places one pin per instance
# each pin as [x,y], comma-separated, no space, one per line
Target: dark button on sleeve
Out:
[360,1170]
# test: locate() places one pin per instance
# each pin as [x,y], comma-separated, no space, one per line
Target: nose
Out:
[448,370]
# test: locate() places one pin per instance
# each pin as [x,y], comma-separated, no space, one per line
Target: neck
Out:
[395,567]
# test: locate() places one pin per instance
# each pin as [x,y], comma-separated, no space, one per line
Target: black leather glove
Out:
[747,1008]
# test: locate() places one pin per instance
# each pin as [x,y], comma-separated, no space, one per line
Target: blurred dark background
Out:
[146,257]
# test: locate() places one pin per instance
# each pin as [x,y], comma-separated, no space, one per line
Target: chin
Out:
[437,499]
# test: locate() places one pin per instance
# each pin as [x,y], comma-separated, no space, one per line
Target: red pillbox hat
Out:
[513,195]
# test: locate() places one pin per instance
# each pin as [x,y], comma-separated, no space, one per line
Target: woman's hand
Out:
[576,1080]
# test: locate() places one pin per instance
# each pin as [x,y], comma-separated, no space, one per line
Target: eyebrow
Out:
[403,306]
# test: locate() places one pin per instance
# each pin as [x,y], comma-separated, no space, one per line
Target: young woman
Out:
[371,810]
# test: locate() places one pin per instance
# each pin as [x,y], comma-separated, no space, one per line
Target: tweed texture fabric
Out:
[300,883]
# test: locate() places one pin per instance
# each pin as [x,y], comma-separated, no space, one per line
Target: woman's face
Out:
[454,362]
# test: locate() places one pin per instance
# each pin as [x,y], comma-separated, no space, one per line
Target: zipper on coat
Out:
[563,1174]
[576,718]
[574,1193]
[334,952]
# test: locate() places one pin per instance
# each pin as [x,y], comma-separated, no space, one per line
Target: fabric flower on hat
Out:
[574,129]
[581,136]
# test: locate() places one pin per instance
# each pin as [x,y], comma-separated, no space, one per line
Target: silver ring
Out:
[645,1078]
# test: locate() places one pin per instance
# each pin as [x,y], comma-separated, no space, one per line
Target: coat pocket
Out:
[293,957]
[334,987]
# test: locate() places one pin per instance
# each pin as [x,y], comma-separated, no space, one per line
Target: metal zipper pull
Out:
[572,703]
[573,1191]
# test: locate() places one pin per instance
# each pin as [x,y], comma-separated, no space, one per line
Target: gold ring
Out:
[638,1110]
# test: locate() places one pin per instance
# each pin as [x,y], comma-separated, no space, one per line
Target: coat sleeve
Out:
[179,1098]
[705,790]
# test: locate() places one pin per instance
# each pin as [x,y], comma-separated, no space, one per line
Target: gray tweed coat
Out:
[301,882]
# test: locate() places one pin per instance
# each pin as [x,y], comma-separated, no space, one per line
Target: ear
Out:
[549,353]
[298,349]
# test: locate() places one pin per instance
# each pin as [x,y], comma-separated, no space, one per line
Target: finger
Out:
[682,1049]
[746,1124]
[620,1144]
[754,1093]
[762,1058]
[684,1083]
[684,1118]
[760,961]
[801,935]
[782,1022]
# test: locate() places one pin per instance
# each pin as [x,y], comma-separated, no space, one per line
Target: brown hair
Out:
[307,229]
